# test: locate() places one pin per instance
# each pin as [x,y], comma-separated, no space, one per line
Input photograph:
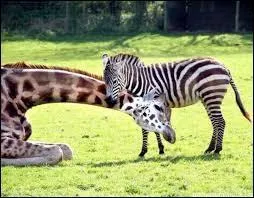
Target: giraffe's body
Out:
[25,87]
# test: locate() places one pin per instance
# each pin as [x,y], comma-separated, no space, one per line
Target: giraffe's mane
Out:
[23,65]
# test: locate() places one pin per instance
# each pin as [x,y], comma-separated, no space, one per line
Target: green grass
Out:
[106,142]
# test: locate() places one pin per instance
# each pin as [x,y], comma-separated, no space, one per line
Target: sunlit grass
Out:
[106,142]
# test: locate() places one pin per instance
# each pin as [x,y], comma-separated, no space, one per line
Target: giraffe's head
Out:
[151,114]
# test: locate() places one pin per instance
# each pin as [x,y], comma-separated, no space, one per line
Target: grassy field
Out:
[106,143]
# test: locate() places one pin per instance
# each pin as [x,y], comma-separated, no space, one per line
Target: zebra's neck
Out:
[133,80]
[138,79]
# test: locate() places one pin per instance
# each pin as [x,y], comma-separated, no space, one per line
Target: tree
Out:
[67,19]
[140,10]
[115,11]
[166,16]
[174,15]
[237,16]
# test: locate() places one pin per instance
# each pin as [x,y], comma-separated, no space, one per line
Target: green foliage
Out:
[106,142]
[78,17]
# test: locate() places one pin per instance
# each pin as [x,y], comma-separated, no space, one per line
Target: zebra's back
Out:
[186,82]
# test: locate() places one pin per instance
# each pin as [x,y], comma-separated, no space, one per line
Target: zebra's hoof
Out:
[142,154]
[217,151]
[161,152]
[208,151]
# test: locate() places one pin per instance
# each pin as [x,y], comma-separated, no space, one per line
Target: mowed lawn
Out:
[106,142]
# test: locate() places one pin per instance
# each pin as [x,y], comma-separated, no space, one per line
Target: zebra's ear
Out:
[150,95]
[105,60]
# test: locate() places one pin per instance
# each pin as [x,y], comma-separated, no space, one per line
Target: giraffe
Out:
[24,86]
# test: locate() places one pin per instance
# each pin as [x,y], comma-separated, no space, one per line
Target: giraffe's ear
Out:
[150,95]
[161,98]
[105,60]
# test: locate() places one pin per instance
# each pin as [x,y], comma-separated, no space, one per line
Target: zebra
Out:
[184,82]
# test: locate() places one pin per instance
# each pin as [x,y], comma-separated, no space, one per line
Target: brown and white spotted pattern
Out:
[24,86]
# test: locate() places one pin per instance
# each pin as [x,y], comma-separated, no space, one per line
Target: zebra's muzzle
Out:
[109,100]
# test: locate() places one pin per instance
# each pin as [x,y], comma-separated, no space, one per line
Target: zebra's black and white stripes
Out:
[184,82]
[145,139]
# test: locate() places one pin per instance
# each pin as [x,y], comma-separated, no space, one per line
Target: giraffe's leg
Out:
[144,143]
[17,152]
[28,131]
[160,145]
[26,127]
[67,152]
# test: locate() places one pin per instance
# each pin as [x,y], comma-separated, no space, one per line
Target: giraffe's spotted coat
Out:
[24,86]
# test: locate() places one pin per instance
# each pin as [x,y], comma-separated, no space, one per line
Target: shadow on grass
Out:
[94,45]
[173,160]
[69,38]
[120,38]
[220,40]
[170,159]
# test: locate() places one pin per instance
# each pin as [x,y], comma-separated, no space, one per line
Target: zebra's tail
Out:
[238,99]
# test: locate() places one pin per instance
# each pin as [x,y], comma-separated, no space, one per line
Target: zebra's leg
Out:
[144,143]
[220,123]
[212,144]
[160,145]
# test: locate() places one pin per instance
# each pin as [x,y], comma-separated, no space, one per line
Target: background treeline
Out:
[76,17]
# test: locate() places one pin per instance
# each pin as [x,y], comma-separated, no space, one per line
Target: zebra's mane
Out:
[127,57]
[23,65]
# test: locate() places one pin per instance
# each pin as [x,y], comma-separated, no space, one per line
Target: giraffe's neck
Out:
[31,87]
[23,89]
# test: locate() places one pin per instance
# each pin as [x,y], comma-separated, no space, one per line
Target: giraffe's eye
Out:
[161,118]
[158,108]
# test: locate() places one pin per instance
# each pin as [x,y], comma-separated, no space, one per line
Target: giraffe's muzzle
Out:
[169,134]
